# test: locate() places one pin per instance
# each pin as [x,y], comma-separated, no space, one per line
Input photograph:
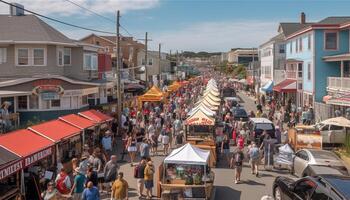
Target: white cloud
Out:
[217,36]
[63,7]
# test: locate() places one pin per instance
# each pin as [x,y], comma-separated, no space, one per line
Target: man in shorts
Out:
[237,163]
[254,156]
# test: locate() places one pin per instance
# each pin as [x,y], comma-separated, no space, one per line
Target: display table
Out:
[172,190]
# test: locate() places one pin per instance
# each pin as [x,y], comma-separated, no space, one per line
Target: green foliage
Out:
[201,54]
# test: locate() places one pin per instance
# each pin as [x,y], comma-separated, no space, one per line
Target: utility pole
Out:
[119,89]
[159,63]
[146,61]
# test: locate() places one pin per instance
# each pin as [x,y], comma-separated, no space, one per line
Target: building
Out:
[320,53]
[128,46]
[242,56]
[44,74]
[154,66]
[224,57]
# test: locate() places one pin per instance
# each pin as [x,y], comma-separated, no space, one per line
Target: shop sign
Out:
[200,121]
[50,96]
[13,168]
[37,156]
[48,89]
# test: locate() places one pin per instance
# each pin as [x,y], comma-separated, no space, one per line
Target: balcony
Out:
[338,84]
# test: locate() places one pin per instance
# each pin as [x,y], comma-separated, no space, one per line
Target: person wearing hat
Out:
[78,186]
[84,163]
[107,143]
[148,176]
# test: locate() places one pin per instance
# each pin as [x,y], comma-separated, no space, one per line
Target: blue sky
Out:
[208,25]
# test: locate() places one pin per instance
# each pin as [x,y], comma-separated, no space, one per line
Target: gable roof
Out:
[288,28]
[335,20]
[29,28]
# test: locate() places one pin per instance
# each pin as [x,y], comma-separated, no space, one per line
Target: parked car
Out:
[258,125]
[325,187]
[307,162]
[239,113]
[228,92]
[233,100]
[332,135]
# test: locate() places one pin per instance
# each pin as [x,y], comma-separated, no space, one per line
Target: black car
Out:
[239,113]
[323,187]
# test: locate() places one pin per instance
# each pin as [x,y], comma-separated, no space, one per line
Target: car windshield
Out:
[264,126]
[327,155]
[240,112]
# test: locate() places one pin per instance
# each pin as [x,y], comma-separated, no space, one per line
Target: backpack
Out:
[254,153]
[136,171]
[61,185]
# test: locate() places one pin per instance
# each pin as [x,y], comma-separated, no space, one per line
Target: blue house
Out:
[320,54]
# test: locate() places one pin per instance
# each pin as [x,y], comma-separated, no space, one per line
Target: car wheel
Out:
[277,194]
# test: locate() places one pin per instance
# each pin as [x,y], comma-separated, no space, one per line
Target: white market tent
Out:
[212,87]
[207,104]
[200,118]
[214,92]
[211,102]
[213,97]
[204,108]
[188,154]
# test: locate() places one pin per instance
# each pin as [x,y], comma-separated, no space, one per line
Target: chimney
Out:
[16,9]
[302,18]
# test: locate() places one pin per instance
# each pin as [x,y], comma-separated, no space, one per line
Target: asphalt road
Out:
[250,188]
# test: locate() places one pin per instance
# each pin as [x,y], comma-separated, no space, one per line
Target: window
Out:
[55,103]
[150,61]
[39,57]
[300,86]
[291,47]
[97,43]
[90,62]
[300,44]
[22,102]
[296,45]
[320,194]
[60,57]
[84,100]
[331,40]
[303,155]
[300,70]
[309,42]
[309,71]
[336,128]
[33,102]
[3,55]
[282,48]
[106,49]
[67,56]
[304,189]
[143,61]
[22,57]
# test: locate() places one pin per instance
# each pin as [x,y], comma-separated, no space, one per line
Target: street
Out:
[250,188]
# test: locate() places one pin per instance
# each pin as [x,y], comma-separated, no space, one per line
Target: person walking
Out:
[254,157]
[139,174]
[165,141]
[110,172]
[237,163]
[63,183]
[148,176]
[107,143]
[120,188]
[225,148]
[145,148]
[92,176]
[131,147]
[78,186]
[90,192]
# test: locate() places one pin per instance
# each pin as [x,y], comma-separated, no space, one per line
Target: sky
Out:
[185,25]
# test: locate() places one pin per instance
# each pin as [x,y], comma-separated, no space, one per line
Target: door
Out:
[300,163]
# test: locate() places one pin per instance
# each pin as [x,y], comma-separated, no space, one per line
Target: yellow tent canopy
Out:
[153,94]
[173,87]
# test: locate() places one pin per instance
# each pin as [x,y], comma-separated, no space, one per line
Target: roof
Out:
[276,38]
[55,130]
[260,120]
[7,156]
[188,155]
[335,20]
[289,28]
[18,142]
[200,118]
[29,28]
[338,57]
[77,121]
[287,85]
[5,93]
[96,116]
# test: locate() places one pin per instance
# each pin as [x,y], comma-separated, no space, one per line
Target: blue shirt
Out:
[91,194]
[79,181]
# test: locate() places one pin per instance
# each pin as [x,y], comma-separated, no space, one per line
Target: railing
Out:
[338,83]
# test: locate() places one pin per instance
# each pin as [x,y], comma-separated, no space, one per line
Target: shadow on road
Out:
[225,192]
[251,182]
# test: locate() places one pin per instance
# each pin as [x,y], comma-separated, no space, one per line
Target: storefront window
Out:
[67,56]
[55,103]
[22,102]
[39,56]
[84,100]
[23,57]
[45,104]
[33,102]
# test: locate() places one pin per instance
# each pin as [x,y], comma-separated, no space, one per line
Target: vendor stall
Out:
[174,86]
[10,167]
[152,95]
[38,166]
[186,173]
[67,139]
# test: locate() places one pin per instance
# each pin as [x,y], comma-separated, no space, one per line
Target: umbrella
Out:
[337,121]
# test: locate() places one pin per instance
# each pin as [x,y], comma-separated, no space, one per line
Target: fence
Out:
[322,111]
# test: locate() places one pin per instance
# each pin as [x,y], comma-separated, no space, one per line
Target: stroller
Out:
[284,158]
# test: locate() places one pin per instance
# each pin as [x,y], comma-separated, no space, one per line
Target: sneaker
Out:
[257,175]
[236,181]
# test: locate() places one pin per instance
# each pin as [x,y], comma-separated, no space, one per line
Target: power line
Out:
[91,11]
[56,20]
[126,31]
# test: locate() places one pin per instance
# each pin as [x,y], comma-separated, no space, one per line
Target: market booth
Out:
[152,95]
[186,172]
[88,127]
[10,166]
[36,164]
[174,86]
[67,139]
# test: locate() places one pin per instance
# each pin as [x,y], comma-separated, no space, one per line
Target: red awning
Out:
[286,86]
[96,116]
[55,130]
[78,121]
[28,145]
[340,101]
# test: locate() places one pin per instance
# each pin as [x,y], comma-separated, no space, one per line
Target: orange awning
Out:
[96,116]
[153,94]
[78,121]
[55,130]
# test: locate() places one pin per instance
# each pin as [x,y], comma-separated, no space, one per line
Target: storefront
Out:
[67,139]
[10,167]
[37,160]
[285,90]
